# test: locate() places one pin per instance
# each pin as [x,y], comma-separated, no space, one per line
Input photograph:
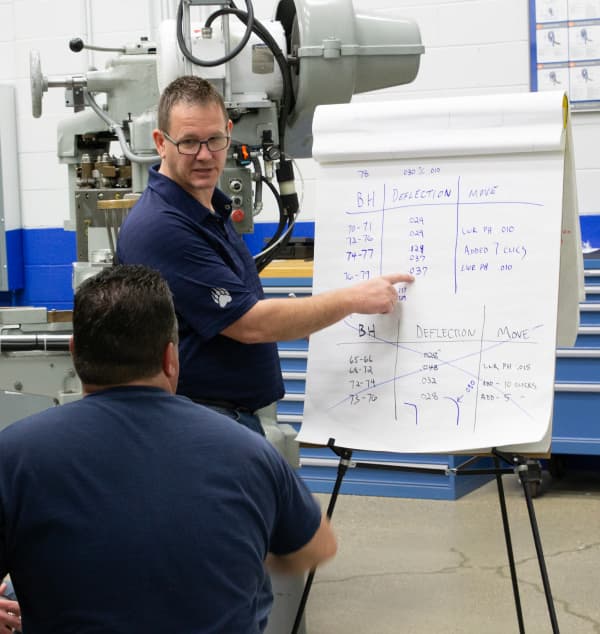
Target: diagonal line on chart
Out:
[451,362]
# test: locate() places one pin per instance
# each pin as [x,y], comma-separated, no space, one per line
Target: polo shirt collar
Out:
[179,198]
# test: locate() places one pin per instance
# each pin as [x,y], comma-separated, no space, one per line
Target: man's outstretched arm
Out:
[294,318]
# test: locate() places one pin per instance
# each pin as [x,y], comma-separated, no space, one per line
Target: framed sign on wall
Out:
[565,49]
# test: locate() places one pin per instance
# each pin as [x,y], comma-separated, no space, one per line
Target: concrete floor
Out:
[421,567]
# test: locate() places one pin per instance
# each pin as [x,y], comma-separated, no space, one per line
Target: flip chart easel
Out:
[476,198]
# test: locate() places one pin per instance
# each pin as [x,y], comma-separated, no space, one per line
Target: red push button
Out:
[237,215]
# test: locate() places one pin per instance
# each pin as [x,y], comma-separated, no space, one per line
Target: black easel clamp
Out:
[516,460]
[529,470]
[344,454]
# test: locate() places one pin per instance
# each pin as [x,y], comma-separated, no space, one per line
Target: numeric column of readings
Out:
[361,251]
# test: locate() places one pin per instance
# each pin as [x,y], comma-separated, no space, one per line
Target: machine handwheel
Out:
[39,84]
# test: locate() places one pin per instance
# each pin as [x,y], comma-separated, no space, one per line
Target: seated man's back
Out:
[134,510]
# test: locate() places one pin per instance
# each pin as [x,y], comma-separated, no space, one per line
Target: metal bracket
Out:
[74,93]
[333,48]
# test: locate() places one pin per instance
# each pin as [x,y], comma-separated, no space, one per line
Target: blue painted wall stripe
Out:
[49,246]
[40,268]
[40,260]
[14,259]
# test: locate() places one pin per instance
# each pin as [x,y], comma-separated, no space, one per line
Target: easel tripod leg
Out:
[509,548]
[345,459]
[522,471]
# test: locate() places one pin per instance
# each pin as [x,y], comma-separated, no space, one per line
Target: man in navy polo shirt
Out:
[181,227]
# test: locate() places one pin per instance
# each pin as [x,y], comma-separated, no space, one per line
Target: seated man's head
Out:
[125,329]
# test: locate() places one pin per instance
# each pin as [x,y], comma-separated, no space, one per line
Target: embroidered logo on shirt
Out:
[221,296]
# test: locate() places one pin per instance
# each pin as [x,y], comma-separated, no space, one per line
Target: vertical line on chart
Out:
[395,371]
[479,369]
[382,228]
[456,235]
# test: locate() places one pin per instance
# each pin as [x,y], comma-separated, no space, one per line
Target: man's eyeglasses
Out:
[192,146]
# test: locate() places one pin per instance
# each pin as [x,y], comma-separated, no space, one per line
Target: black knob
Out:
[76,44]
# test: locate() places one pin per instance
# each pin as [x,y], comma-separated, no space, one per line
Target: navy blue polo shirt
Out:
[214,282]
[133,511]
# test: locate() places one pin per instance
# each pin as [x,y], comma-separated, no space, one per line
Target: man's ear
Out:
[171,365]
[71,345]
[171,361]
[159,141]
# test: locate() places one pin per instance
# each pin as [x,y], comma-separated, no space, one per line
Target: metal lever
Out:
[77,45]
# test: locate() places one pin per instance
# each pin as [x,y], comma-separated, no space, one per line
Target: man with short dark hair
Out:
[134,510]
[181,226]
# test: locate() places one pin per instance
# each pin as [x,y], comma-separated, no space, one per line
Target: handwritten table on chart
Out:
[466,360]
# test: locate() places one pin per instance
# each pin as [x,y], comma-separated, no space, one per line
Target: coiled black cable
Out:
[287,100]
[221,60]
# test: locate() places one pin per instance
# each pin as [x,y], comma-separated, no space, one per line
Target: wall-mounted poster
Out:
[565,49]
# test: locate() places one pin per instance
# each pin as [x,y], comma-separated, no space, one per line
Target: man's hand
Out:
[10,613]
[379,295]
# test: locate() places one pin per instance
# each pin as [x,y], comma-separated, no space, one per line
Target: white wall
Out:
[47,26]
[472,46]
[482,46]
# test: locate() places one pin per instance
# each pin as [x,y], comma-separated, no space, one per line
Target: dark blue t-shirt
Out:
[135,511]
[214,282]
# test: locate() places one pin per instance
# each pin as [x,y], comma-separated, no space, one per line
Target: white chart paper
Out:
[466,360]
